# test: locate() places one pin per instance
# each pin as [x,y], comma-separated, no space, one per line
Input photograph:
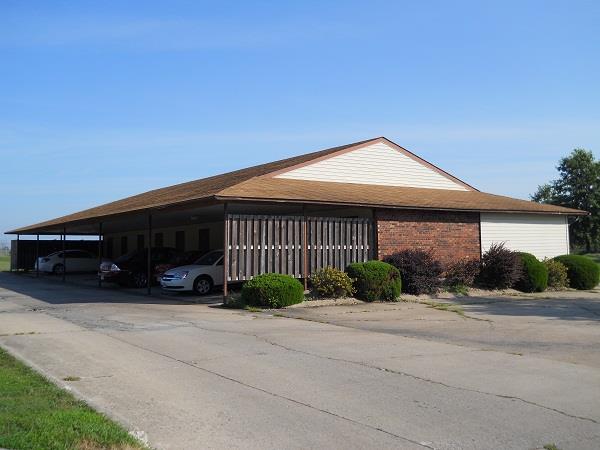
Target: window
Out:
[210,258]
[123,245]
[140,242]
[158,239]
[180,240]
[203,240]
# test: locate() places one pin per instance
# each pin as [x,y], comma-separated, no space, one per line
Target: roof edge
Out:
[571,212]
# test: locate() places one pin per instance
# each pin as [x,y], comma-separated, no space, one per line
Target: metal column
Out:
[226,253]
[149,273]
[64,254]
[37,255]
[99,252]
[17,255]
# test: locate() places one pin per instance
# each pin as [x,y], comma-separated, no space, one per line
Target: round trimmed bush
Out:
[375,280]
[330,282]
[534,277]
[583,272]
[272,290]
[557,274]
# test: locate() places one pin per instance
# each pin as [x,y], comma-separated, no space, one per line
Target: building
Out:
[332,207]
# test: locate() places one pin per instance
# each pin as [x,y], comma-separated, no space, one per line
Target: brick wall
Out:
[450,235]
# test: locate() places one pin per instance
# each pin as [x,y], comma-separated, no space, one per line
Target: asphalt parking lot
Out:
[510,373]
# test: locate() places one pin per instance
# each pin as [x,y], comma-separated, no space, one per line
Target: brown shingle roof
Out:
[254,184]
[279,189]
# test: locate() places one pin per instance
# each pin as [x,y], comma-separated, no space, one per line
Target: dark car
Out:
[131,269]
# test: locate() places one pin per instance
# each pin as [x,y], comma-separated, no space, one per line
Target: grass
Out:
[550,447]
[35,413]
[4,263]
[446,307]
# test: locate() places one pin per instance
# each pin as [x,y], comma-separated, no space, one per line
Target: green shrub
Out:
[330,282]
[500,268]
[582,271]
[375,280]
[557,274]
[421,272]
[534,277]
[272,290]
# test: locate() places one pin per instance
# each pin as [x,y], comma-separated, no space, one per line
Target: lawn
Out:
[4,263]
[36,414]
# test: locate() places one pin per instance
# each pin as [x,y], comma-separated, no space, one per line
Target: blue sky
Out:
[99,100]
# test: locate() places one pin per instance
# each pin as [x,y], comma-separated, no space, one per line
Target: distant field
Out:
[594,256]
[4,263]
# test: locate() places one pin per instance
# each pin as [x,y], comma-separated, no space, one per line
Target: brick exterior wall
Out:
[449,235]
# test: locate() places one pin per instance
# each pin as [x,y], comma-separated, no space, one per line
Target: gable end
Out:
[378,162]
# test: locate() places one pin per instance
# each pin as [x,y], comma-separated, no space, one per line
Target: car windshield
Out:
[127,256]
[209,259]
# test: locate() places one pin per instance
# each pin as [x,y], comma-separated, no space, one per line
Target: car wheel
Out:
[58,269]
[140,280]
[203,285]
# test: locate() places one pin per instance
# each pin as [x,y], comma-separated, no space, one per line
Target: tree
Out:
[578,186]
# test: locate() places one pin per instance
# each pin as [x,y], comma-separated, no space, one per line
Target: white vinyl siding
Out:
[545,236]
[377,164]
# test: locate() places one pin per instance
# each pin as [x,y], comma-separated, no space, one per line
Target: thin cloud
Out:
[163,34]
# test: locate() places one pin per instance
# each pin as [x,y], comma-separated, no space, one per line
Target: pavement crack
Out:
[428,380]
[401,373]
[273,394]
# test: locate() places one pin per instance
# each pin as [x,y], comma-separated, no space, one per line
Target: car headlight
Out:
[114,268]
[180,275]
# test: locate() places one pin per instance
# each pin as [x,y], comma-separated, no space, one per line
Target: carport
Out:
[281,237]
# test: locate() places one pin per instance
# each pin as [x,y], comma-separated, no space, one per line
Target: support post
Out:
[304,247]
[149,273]
[64,254]
[225,252]
[37,255]
[100,247]
[375,236]
[17,255]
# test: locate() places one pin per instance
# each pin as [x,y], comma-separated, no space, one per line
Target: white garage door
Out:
[545,236]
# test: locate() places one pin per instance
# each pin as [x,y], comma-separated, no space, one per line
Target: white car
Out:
[200,277]
[76,261]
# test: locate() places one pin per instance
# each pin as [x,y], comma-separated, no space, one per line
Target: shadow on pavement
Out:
[83,289]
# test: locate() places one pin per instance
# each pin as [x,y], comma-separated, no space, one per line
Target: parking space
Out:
[199,376]
[26,283]
[562,326]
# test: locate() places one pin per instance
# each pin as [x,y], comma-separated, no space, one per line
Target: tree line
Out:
[577,186]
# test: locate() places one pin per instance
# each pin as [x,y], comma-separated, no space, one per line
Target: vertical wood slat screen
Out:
[264,244]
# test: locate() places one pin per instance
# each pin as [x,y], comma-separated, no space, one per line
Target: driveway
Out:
[192,376]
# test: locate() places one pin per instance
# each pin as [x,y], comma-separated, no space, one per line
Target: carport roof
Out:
[256,183]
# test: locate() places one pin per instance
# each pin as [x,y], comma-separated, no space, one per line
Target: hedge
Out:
[583,272]
[421,272]
[272,290]
[500,268]
[375,280]
[558,277]
[330,282]
[535,274]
